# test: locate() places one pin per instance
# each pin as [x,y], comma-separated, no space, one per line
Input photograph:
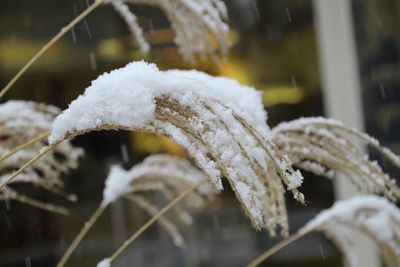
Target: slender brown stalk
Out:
[24,145]
[88,225]
[153,219]
[276,248]
[29,163]
[59,192]
[63,31]
[40,204]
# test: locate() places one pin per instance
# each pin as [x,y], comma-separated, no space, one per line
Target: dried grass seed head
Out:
[372,216]
[325,146]
[220,123]
[164,174]
[25,120]
[199,25]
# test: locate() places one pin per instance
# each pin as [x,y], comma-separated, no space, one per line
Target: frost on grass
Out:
[220,123]
[167,175]
[22,121]
[325,146]
[372,216]
[198,25]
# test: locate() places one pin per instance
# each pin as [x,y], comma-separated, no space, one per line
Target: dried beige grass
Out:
[179,122]
[324,146]
[372,216]
[162,174]
[198,25]
[261,194]
[33,122]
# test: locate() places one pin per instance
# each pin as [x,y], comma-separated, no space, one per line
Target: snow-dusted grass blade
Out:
[325,146]
[164,174]
[372,216]
[23,127]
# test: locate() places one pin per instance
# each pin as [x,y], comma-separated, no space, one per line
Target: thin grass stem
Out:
[154,219]
[88,225]
[41,205]
[29,163]
[59,192]
[50,44]
[24,145]
[276,248]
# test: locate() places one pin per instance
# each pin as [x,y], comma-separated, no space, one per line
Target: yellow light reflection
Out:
[110,48]
[282,95]
[146,143]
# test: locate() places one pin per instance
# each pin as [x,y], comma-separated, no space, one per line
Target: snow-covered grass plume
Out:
[372,216]
[369,215]
[325,146]
[22,121]
[166,175]
[198,24]
[220,123]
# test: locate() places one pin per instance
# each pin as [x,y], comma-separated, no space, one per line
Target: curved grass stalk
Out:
[25,145]
[154,219]
[284,243]
[88,225]
[68,196]
[34,202]
[164,222]
[63,31]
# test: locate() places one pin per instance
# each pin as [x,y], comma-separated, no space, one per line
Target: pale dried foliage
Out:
[343,239]
[222,126]
[254,167]
[164,175]
[371,216]
[324,146]
[22,121]
[198,24]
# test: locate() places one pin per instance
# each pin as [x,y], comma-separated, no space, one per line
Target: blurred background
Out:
[278,47]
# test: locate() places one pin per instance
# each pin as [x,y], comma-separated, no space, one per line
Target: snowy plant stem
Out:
[24,145]
[88,225]
[276,248]
[154,219]
[41,205]
[50,44]
[29,163]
